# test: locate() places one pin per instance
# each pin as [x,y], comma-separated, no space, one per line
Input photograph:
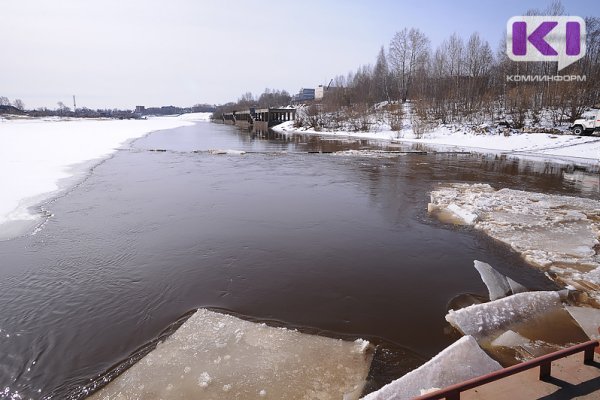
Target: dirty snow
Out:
[480,320]
[38,154]
[558,234]
[462,360]
[217,356]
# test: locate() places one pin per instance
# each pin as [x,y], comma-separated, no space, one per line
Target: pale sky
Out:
[122,53]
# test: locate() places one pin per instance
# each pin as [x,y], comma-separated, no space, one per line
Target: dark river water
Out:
[288,233]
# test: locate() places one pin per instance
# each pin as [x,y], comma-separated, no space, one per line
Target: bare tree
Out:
[455,51]
[408,53]
[380,78]
[4,101]
[479,56]
[18,103]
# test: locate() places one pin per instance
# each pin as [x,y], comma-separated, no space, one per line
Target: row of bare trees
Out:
[17,103]
[465,80]
[269,98]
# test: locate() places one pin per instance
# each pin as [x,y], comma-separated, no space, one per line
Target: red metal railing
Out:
[544,362]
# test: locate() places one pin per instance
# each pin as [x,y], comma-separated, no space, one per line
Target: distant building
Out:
[304,95]
[319,92]
[140,109]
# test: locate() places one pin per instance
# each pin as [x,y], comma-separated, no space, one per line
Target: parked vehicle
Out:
[588,124]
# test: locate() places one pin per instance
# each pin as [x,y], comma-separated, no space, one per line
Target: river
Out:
[291,233]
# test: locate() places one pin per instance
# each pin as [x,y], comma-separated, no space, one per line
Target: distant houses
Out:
[11,110]
[303,95]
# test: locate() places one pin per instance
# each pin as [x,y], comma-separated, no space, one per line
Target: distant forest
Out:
[18,107]
[460,80]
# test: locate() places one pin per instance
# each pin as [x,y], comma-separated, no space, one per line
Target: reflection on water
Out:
[337,245]
[584,181]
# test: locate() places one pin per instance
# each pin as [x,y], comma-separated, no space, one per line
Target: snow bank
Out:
[540,145]
[460,361]
[480,320]
[216,356]
[556,233]
[35,154]
[194,117]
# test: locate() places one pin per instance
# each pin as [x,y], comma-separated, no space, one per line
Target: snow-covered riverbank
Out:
[38,155]
[584,150]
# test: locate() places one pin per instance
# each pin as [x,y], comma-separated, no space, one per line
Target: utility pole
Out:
[74,104]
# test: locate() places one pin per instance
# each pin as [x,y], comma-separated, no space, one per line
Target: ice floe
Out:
[480,320]
[462,360]
[227,151]
[217,356]
[510,339]
[558,234]
[498,285]
[588,318]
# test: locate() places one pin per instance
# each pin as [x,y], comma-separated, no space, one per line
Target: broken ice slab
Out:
[552,232]
[498,285]
[510,339]
[460,361]
[480,320]
[217,356]
[467,217]
[588,318]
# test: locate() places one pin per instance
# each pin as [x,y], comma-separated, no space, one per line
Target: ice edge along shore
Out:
[38,155]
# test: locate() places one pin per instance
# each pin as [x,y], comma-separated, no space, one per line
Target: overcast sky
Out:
[122,53]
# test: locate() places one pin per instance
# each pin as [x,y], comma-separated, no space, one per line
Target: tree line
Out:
[269,98]
[464,80]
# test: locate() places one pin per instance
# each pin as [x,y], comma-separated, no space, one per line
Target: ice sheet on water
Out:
[480,320]
[588,319]
[37,155]
[549,231]
[217,356]
[227,151]
[462,360]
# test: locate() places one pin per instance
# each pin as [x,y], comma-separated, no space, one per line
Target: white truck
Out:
[586,125]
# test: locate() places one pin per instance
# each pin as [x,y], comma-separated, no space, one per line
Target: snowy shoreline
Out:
[542,146]
[43,157]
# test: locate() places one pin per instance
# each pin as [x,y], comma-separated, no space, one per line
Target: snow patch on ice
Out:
[462,360]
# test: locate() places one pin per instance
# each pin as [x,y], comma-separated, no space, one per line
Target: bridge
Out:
[261,118]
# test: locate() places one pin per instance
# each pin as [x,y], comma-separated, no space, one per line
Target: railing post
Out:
[588,355]
[545,370]
[453,395]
